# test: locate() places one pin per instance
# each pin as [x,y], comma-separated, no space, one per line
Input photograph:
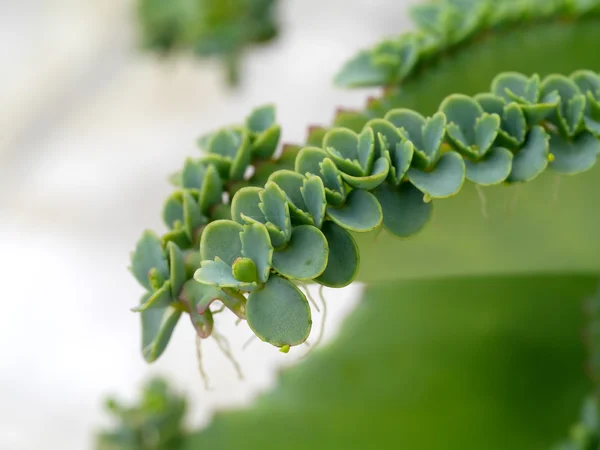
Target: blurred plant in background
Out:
[220,28]
[155,423]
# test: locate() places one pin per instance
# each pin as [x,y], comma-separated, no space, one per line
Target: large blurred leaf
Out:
[471,363]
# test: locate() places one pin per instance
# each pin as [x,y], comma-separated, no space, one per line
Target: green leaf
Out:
[256,245]
[279,313]
[197,297]
[148,255]
[221,239]
[211,192]
[365,70]
[445,180]
[178,236]
[513,86]
[480,350]
[246,201]
[276,210]
[221,163]
[220,274]
[404,211]
[261,118]
[389,132]
[173,210]
[360,213]
[354,120]
[313,193]
[370,182]
[342,145]
[410,123]
[343,261]
[309,161]
[265,144]
[576,155]
[434,131]
[493,168]
[514,123]
[305,256]
[315,136]
[242,157]
[290,183]
[193,173]
[399,159]
[157,326]
[158,299]
[224,143]
[176,268]
[486,130]
[192,216]
[532,159]
[463,112]
[244,270]
[569,112]
[335,190]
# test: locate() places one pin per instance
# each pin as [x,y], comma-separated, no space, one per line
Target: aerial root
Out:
[248,342]
[203,374]
[482,201]
[378,234]
[323,319]
[512,204]
[310,298]
[223,344]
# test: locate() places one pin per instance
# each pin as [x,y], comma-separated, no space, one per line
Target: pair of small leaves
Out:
[265,133]
[355,156]
[234,256]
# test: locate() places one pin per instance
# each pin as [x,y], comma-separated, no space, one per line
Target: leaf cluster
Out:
[445,25]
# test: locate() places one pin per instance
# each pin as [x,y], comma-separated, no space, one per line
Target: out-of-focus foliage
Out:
[222,28]
[155,423]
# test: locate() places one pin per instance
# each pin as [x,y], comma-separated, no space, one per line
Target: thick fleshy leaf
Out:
[160,298]
[404,211]
[176,268]
[514,123]
[211,192]
[342,145]
[246,201]
[462,111]
[360,213]
[192,216]
[410,123]
[265,144]
[399,159]
[366,70]
[244,270]
[192,175]
[535,114]
[173,210]
[433,136]
[148,255]
[313,192]
[370,182]
[388,131]
[486,130]
[316,135]
[221,239]
[569,112]
[276,210]
[261,118]
[221,163]
[344,258]
[335,190]
[242,158]
[179,236]
[157,327]
[225,143]
[256,245]
[197,297]
[220,274]
[290,183]
[279,313]
[572,156]
[445,180]
[309,160]
[513,86]
[532,159]
[493,168]
[305,256]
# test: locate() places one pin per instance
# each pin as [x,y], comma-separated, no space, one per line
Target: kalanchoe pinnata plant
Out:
[221,28]
[468,325]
